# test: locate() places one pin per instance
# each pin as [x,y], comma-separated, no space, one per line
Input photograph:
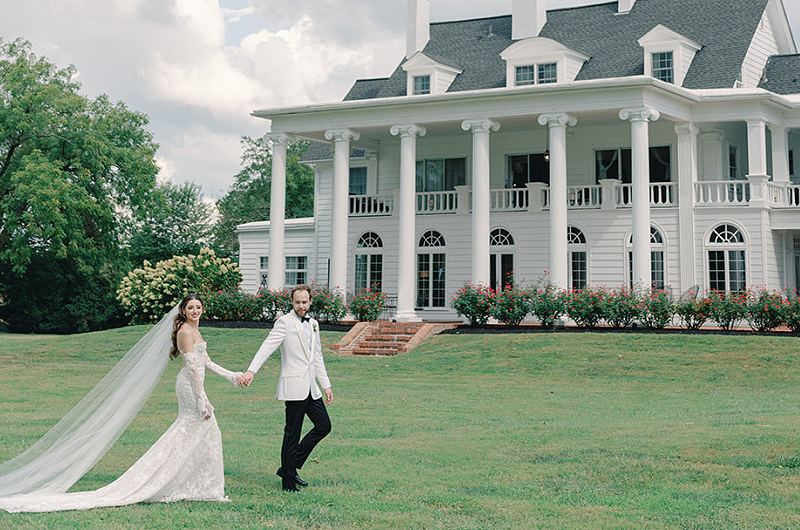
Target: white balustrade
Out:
[371,205]
[431,202]
[623,196]
[663,194]
[509,200]
[792,196]
[584,197]
[722,192]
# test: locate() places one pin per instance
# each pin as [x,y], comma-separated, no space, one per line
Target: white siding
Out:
[762,46]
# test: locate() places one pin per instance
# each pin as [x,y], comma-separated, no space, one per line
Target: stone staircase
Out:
[386,338]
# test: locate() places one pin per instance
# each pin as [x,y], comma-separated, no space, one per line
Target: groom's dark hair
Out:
[302,287]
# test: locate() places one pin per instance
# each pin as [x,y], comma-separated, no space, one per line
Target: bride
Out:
[184,464]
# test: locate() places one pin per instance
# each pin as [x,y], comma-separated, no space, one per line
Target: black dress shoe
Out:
[297,480]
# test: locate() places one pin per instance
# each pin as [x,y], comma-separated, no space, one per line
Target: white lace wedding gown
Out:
[184,464]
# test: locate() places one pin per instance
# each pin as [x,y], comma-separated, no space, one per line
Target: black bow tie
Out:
[304,319]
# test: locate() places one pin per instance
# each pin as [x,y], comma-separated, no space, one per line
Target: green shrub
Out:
[367,305]
[693,311]
[233,305]
[327,305]
[658,309]
[511,306]
[623,307]
[275,302]
[547,304]
[474,302]
[790,313]
[149,292]
[727,309]
[585,307]
[764,310]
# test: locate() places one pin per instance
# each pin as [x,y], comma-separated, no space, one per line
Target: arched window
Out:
[501,259]
[431,287]
[578,272]
[727,264]
[657,253]
[369,262]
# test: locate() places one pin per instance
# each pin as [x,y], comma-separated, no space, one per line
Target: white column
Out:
[715,159]
[481,196]
[756,147]
[780,154]
[687,177]
[406,216]
[340,214]
[640,118]
[277,211]
[557,124]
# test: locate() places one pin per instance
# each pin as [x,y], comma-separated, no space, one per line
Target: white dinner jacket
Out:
[302,368]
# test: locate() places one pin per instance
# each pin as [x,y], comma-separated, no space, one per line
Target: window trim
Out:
[420,91]
[654,247]
[288,270]
[744,245]
[670,69]
[578,247]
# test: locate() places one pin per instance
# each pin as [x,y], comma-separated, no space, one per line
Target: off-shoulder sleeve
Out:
[220,371]
[194,361]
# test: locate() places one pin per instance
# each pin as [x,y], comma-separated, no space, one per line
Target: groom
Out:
[302,368]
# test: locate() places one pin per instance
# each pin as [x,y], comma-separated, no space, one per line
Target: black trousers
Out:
[294,451]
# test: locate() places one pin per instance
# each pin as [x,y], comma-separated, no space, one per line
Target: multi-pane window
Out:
[263,271]
[534,167]
[441,174]
[578,272]
[422,84]
[548,73]
[663,67]
[657,276]
[296,270]
[369,262]
[727,267]
[733,162]
[358,181]
[431,286]
[501,259]
[525,75]
[616,164]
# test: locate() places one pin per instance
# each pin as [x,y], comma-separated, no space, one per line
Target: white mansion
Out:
[632,143]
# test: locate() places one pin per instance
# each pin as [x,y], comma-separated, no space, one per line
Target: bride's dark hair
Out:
[180,320]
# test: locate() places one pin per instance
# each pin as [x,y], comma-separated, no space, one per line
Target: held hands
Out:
[245,379]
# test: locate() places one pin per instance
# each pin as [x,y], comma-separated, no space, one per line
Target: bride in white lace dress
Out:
[184,464]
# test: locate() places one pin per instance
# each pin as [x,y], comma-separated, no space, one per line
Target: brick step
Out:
[391,336]
[392,326]
[374,351]
[380,344]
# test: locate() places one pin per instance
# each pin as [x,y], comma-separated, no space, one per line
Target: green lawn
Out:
[560,430]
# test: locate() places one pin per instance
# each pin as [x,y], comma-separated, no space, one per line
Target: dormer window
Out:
[663,67]
[422,84]
[548,73]
[525,75]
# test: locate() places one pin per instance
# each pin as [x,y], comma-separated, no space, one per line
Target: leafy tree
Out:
[248,199]
[175,222]
[71,168]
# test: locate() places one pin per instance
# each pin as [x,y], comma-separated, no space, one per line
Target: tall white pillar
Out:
[406,215]
[277,211]
[780,154]
[715,159]
[757,148]
[640,118]
[341,187]
[687,177]
[557,129]
[481,196]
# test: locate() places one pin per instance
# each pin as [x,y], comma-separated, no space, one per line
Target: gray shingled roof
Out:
[322,151]
[725,28]
[782,74]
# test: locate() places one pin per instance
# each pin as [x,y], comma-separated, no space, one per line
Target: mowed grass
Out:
[565,430]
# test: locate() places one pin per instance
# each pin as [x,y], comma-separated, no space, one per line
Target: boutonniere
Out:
[315,327]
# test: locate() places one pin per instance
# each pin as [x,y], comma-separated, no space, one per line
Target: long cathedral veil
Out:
[67,451]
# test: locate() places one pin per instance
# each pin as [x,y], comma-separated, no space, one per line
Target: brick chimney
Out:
[528,17]
[418,26]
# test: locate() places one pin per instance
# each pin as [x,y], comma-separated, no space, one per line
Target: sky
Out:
[198,68]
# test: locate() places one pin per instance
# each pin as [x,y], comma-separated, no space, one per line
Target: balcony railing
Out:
[783,196]
[662,194]
[437,202]
[370,205]
[722,192]
[509,200]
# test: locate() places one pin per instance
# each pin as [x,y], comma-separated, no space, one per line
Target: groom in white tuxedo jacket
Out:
[302,374]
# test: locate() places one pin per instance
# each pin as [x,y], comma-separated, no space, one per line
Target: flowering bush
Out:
[693,311]
[367,305]
[511,306]
[658,309]
[764,310]
[275,302]
[585,306]
[234,305]
[790,313]
[727,309]
[148,292]
[547,304]
[327,305]
[475,302]
[622,308]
